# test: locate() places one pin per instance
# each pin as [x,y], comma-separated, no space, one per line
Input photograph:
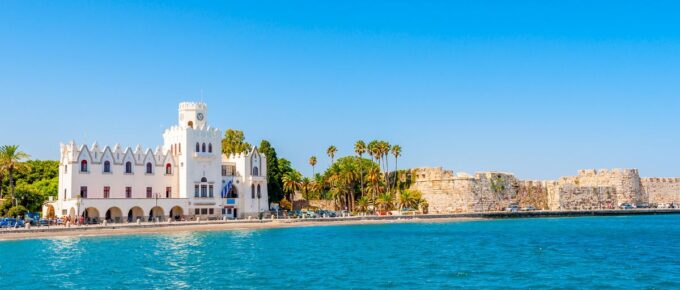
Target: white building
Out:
[186,177]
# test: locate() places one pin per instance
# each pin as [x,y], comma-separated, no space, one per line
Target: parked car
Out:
[643,205]
[513,207]
[44,222]
[626,205]
[529,208]
[60,221]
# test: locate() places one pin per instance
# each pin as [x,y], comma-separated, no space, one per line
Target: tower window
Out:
[149,168]
[128,167]
[168,168]
[107,166]
[259,195]
[210,147]
[203,147]
[83,166]
[252,191]
[198,147]
[256,172]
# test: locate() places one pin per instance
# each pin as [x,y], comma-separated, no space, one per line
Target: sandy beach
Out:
[161,228]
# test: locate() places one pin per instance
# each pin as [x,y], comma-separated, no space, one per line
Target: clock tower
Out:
[193,115]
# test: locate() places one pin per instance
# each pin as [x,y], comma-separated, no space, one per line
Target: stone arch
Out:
[135,213]
[91,215]
[176,213]
[156,212]
[72,212]
[114,214]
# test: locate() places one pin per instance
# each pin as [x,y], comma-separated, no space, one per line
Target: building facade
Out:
[186,177]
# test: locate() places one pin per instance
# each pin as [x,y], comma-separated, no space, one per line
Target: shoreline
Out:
[231,225]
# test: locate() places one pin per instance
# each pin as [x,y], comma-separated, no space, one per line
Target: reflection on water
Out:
[633,252]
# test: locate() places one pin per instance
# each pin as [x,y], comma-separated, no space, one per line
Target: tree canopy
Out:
[234,142]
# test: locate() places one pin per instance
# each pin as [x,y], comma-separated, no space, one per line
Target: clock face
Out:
[199,116]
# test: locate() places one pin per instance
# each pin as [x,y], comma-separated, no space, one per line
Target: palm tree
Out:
[383,149]
[291,184]
[385,201]
[396,151]
[331,153]
[373,182]
[11,158]
[305,187]
[360,149]
[362,204]
[312,162]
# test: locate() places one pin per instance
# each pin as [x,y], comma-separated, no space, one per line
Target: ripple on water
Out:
[630,252]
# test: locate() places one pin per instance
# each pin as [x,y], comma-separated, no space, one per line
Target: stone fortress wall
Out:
[447,191]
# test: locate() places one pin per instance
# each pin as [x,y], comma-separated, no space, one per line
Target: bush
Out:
[17,211]
[285,204]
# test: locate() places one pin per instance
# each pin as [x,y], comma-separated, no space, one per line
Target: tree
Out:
[384,149]
[360,149]
[234,143]
[291,184]
[312,162]
[373,182]
[410,199]
[10,159]
[343,176]
[17,211]
[363,203]
[331,153]
[396,151]
[385,202]
[306,188]
[274,183]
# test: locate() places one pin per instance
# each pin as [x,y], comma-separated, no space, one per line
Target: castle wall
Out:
[662,190]
[446,191]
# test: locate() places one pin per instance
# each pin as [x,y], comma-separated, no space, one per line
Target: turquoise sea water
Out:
[565,253]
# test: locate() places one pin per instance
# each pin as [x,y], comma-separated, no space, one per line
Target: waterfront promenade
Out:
[251,224]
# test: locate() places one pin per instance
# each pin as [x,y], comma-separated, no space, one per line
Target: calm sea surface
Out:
[598,253]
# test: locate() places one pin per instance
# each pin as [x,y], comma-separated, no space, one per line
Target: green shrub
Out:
[17,211]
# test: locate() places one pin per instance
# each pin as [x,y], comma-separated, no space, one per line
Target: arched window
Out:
[252,191]
[198,147]
[107,166]
[149,168]
[128,167]
[203,179]
[168,168]
[179,148]
[83,166]
[203,147]
[256,172]
[259,195]
[210,147]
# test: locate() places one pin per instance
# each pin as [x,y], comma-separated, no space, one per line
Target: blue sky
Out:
[530,87]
